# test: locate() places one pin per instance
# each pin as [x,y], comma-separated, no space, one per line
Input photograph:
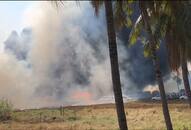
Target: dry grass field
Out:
[141,115]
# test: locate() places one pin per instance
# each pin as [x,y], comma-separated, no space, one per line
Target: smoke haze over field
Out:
[61,57]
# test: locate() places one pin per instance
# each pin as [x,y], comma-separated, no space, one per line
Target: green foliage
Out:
[159,13]
[122,13]
[5,110]
[136,31]
[147,51]
[161,25]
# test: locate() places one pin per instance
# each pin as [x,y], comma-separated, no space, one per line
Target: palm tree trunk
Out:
[114,66]
[185,75]
[153,43]
[162,90]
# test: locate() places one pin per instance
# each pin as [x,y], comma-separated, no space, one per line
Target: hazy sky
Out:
[12,16]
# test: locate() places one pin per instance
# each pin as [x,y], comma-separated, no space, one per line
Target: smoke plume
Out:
[62,58]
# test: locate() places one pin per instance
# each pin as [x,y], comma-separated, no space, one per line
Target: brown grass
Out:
[141,115]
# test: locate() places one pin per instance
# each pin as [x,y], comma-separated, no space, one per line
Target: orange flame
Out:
[82,96]
[150,89]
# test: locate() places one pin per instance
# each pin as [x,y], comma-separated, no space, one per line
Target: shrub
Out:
[5,110]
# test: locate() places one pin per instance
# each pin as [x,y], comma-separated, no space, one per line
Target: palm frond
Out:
[120,16]
[136,31]
[122,13]
[173,48]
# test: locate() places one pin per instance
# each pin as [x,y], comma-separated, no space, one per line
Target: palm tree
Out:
[144,22]
[153,44]
[113,59]
[171,22]
[114,62]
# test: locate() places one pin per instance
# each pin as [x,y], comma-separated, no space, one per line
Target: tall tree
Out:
[114,61]
[153,44]
[114,65]
[113,57]
[146,26]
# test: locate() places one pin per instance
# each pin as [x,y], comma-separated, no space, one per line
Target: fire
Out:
[82,96]
[150,89]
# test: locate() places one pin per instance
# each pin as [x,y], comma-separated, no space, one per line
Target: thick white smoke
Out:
[62,58]
[61,63]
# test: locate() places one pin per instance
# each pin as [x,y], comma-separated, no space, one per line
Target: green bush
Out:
[6,109]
